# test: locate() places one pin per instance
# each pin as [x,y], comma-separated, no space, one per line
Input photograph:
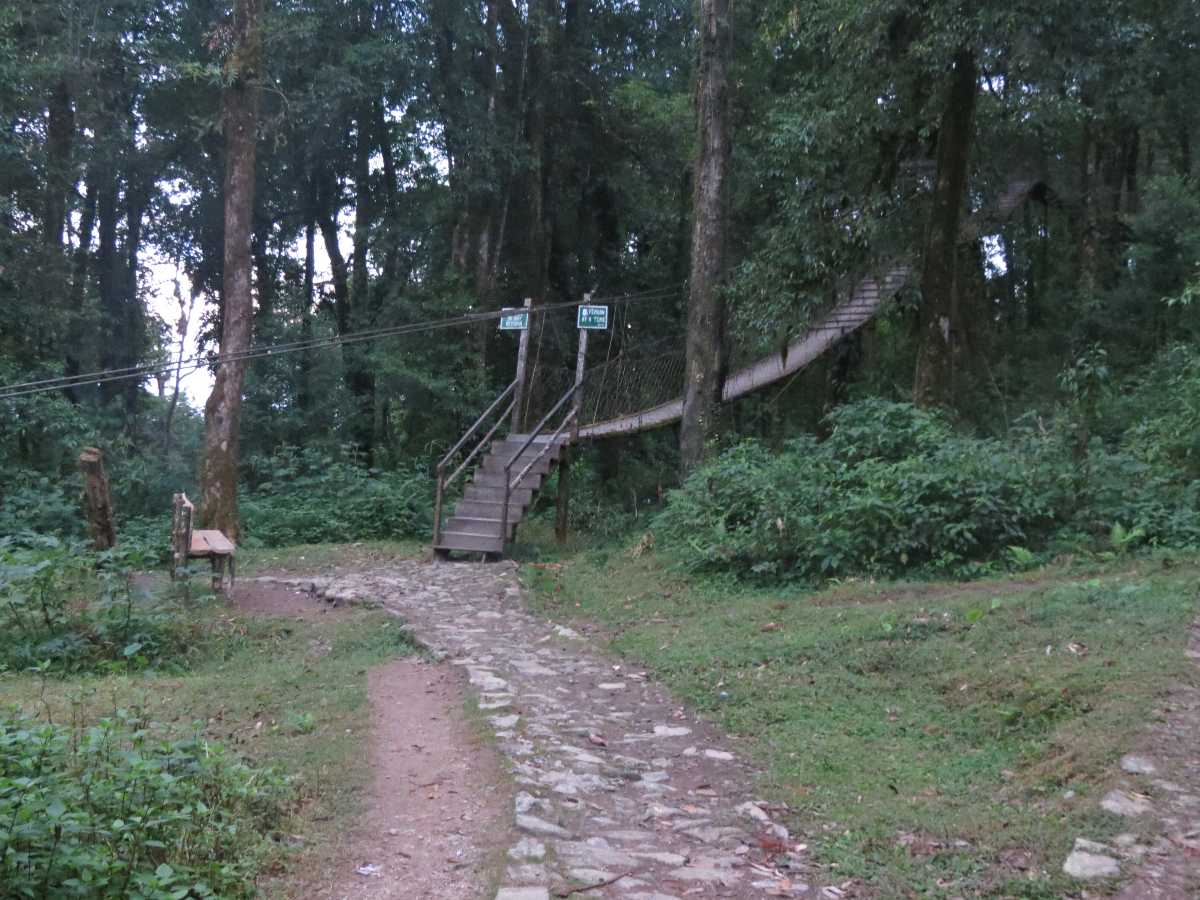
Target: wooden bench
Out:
[188,543]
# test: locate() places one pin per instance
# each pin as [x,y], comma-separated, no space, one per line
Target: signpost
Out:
[592,318]
[514,320]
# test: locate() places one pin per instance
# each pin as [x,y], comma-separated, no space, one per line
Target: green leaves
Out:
[63,608]
[112,811]
[309,496]
[893,490]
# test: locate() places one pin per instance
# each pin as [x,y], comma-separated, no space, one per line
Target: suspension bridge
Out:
[638,390]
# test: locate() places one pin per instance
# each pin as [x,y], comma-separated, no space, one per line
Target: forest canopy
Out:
[423,160]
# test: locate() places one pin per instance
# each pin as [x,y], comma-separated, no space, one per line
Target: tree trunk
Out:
[181,329]
[222,413]
[308,296]
[337,272]
[705,361]
[60,134]
[111,348]
[940,328]
[133,313]
[76,331]
[358,373]
[391,204]
[97,499]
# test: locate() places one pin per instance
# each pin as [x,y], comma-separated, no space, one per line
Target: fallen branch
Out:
[567,892]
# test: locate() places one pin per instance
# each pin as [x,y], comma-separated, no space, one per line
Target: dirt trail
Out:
[437,797]
[433,825]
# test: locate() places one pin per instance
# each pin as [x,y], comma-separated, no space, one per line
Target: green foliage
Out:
[37,504]
[65,609]
[1164,409]
[119,809]
[893,489]
[308,497]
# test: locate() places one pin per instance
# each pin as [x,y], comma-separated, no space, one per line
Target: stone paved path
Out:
[1166,772]
[617,785]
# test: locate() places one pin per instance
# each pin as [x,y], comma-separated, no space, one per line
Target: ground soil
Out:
[435,815]
[433,826]
[264,599]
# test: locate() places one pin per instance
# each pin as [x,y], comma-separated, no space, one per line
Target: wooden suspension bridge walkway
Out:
[509,472]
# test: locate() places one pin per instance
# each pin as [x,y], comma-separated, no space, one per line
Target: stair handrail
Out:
[442,481]
[538,429]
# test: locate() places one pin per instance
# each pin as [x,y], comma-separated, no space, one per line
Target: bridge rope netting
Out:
[641,387]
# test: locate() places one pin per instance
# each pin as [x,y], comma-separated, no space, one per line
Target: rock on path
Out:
[617,786]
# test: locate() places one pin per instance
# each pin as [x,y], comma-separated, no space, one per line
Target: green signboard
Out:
[593,318]
[514,321]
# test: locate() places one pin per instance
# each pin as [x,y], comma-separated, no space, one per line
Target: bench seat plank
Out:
[210,543]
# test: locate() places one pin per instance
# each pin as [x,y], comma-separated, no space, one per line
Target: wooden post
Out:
[97,500]
[563,507]
[522,357]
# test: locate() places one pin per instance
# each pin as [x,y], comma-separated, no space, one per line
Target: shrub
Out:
[114,811]
[1164,406]
[893,489]
[307,497]
[71,610]
[30,502]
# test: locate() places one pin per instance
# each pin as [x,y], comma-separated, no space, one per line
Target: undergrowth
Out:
[304,496]
[895,489]
[117,808]
[66,609]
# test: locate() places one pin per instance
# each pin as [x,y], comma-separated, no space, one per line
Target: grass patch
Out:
[313,559]
[926,737]
[287,694]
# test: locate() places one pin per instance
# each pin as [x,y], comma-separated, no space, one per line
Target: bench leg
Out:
[218,569]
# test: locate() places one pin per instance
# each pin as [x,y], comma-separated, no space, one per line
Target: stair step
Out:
[482,493]
[475,543]
[516,440]
[483,478]
[490,527]
[488,509]
[508,449]
[497,464]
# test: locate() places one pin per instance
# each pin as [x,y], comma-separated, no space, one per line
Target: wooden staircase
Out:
[479,516]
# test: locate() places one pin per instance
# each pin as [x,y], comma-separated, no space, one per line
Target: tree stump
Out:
[97,501]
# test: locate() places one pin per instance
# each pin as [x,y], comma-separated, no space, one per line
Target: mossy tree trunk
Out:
[222,413]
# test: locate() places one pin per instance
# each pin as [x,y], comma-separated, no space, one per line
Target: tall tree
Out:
[705,351]
[941,329]
[222,413]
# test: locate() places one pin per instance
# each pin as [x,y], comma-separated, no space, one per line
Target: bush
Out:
[114,811]
[307,497]
[1164,406]
[30,502]
[64,608]
[893,489]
